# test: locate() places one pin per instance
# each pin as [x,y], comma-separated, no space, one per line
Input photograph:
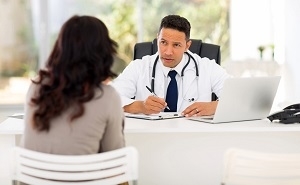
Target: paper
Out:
[160,116]
[20,116]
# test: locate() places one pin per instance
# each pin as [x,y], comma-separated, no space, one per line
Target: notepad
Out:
[18,116]
[159,116]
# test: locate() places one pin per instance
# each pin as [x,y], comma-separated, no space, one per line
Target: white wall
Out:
[262,22]
[292,53]
[251,25]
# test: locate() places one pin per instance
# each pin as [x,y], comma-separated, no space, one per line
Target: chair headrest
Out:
[210,51]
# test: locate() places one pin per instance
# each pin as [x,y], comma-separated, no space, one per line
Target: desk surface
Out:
[178,125]
[188,152]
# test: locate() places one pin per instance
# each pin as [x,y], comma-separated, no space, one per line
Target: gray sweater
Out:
[100,128]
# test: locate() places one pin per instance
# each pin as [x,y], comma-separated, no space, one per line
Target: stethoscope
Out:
[182,71]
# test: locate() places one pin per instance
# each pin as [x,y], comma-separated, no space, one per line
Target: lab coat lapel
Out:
[159,85]
[187,82]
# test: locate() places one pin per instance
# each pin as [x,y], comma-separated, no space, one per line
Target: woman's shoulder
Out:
[33,86]
[107,96]
[107,91]
[108,88]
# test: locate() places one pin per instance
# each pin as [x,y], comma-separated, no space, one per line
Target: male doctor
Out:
[193,94]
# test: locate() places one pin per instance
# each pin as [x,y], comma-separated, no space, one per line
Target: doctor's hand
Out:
[201,109]
[154,105]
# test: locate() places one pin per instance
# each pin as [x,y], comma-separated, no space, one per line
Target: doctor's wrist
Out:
[135,107]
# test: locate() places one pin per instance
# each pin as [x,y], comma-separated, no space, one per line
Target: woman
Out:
[69,110]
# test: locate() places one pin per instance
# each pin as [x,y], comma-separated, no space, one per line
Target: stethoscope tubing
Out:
[182,71]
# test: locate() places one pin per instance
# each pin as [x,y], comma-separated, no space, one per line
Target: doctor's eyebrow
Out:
[165,42]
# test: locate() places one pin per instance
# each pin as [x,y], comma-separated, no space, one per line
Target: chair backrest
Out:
[113,167]
[210,51]
[242,167]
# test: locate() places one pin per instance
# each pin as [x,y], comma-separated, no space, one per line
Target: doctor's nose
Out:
[169,50]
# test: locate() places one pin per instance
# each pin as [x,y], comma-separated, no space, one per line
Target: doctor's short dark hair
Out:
[178,23]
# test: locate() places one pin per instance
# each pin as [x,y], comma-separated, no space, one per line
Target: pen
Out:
[154,94]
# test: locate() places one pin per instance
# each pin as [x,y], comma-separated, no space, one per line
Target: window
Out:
[29,33]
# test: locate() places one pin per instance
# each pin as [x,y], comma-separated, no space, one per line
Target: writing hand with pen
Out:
[154,104]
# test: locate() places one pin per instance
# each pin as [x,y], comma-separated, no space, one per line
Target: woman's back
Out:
[99,129]
[69,110]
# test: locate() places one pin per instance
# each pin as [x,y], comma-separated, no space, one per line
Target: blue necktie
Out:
[172,93]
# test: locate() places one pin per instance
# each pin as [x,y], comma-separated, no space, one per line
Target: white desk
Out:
[180,151]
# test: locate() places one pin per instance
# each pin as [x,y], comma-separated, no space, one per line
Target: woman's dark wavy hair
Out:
[81,59]
[178,23]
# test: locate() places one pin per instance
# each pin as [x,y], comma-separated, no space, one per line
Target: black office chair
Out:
[210,51]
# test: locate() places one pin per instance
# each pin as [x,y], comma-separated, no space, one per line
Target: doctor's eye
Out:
[163,42]
[177,45]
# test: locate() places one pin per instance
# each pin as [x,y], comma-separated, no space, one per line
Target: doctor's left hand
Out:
[201,109]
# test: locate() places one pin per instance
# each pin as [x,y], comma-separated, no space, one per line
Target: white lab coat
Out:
[132,82]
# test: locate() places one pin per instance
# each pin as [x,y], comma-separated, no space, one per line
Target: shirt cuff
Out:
[126,101]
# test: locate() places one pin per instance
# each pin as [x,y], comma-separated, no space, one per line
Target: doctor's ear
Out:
[188,44]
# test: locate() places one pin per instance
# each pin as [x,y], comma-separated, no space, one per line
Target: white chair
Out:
[113,167]
[244,167]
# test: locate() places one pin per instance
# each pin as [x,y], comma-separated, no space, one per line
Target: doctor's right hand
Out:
[154,105]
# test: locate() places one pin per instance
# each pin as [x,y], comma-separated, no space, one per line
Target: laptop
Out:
[244,99]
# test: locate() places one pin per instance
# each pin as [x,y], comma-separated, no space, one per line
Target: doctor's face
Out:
[171,45]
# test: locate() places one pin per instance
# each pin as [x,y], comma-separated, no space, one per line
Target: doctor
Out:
[196,77]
